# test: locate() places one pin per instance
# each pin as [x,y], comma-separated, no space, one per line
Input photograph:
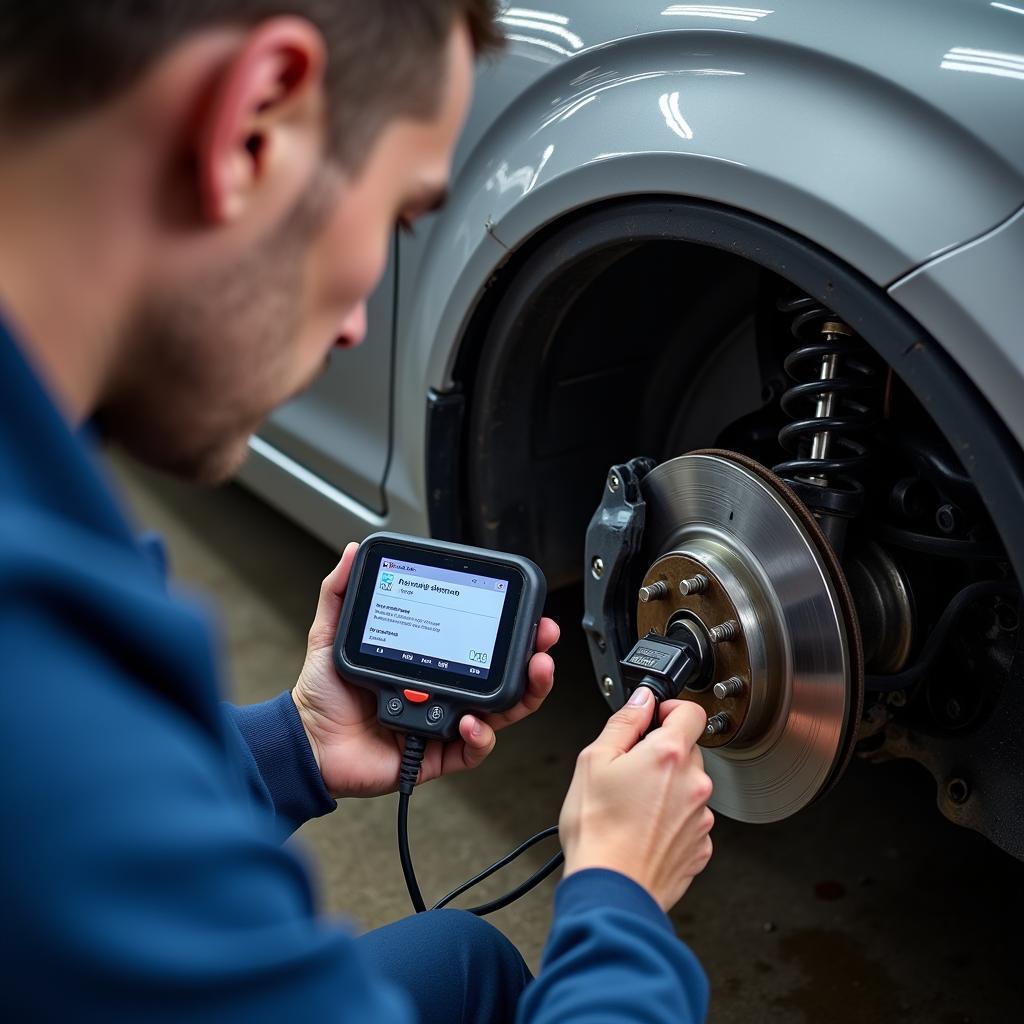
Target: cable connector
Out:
[664,664]
[412,759]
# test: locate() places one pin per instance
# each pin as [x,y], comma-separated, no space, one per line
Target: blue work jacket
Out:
[144,876]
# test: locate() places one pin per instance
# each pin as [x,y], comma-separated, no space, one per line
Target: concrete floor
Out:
[866,907]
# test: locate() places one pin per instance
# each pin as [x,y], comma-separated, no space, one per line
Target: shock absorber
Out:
[832,371]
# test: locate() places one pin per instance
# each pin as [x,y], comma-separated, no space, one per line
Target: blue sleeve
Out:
[613,956]
[140,883]
[268,742]
[279,766]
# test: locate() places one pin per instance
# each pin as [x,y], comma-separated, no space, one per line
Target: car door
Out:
[340,429]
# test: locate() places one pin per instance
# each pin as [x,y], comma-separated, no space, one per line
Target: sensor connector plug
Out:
[664,664]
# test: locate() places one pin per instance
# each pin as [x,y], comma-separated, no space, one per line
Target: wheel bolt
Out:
[717,724]
[607,686]
[654,591]
[723,631]
[731,687]
[694,585]
[597,566]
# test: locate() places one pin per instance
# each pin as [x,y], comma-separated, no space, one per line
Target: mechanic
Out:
[196,198]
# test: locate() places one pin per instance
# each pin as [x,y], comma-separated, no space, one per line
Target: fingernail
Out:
[476,730]
[639,697]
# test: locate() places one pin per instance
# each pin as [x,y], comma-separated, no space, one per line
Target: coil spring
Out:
[831,367]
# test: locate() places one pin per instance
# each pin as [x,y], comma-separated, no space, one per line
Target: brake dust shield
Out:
[791,660]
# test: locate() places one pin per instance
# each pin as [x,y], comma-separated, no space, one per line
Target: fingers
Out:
[478,741]
[666,707]
[332,591]
[540,678]
[547,634]
[687,720]
[628,724]
[474,745]
[702,856]
[707,822]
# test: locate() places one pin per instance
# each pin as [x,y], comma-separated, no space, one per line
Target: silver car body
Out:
[890,134]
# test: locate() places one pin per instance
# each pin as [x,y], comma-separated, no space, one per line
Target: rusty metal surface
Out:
[731,658]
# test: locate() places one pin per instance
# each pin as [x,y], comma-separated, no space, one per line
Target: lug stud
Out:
[694,585]
[717,724]
[731,687]
[654,591]
[723,631]
[597,566]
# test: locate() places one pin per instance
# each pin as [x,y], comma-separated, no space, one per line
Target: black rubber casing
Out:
[509,678]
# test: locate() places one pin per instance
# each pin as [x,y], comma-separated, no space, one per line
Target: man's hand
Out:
[357,755]
[640,806]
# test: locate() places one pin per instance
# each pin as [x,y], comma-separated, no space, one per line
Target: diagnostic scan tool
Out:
[438,630]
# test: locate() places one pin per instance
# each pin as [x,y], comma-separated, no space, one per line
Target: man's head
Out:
[251,158]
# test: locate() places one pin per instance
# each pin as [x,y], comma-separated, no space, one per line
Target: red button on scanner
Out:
[415,696]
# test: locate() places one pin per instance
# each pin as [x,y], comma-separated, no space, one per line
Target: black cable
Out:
[408,773]
[520,890]
[406,857]
[932,649]
[497,866]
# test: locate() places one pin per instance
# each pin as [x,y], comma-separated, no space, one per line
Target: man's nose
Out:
[353,329]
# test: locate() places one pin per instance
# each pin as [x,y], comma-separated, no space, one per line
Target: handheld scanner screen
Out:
[428,616]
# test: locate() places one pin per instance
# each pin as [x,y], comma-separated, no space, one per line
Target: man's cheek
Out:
[354,256]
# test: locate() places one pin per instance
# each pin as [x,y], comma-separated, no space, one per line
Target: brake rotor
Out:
[739,553]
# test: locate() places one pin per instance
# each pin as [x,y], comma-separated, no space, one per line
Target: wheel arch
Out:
[988,451]
[594,130]
[792,135]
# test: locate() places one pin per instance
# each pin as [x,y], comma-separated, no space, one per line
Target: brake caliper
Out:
[613,540]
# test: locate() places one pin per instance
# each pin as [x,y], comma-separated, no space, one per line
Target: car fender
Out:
[972,299]
[854,161]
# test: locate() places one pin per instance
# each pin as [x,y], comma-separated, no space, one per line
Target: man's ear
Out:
[264,123]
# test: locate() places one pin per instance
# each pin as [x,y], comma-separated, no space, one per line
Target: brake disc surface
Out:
[793,659]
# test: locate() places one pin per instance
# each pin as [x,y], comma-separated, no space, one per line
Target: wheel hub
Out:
[741,556]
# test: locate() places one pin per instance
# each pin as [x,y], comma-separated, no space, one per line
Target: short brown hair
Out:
[385,57]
